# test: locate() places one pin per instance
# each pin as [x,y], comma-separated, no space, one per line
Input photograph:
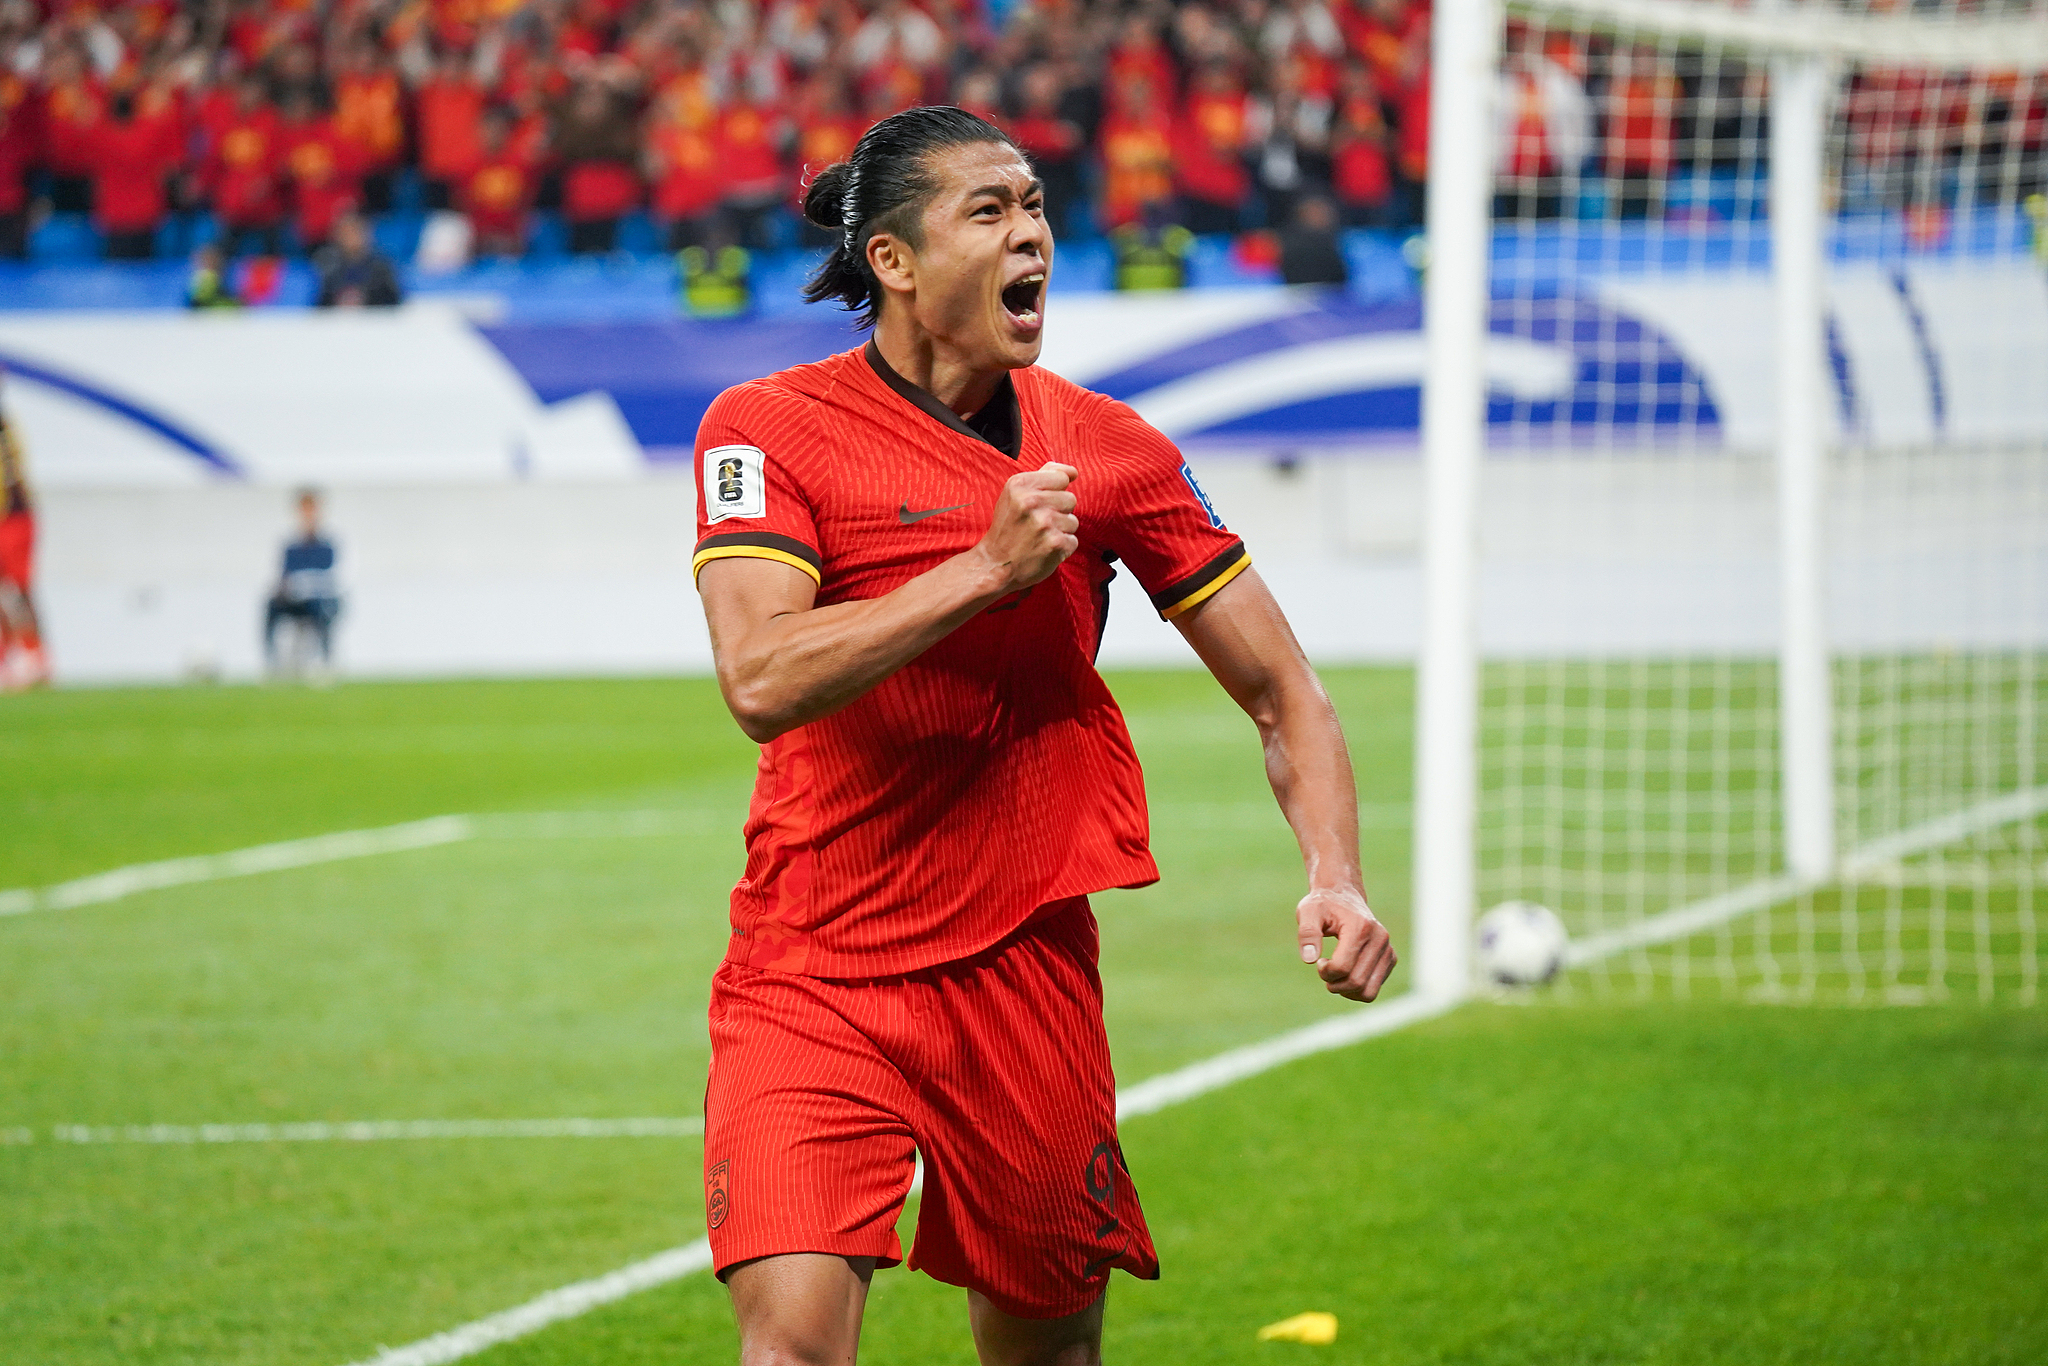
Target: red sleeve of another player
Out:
[749,502]
[1163,526]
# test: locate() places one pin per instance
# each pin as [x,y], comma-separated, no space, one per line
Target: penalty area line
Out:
[368,1130]
[118,883]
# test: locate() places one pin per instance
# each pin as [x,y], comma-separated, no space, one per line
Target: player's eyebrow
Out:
[1005,193]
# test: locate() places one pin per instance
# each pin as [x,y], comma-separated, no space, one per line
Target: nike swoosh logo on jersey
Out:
[906,516]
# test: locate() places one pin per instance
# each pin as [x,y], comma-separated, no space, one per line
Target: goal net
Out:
[1760,587]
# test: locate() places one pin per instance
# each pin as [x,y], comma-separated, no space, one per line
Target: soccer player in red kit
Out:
[904,554]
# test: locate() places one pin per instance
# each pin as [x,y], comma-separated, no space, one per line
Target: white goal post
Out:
[1827,728]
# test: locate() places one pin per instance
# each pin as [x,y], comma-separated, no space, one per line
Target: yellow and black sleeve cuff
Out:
[757,545]
[1201,585]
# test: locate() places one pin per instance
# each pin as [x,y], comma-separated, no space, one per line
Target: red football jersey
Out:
[992,775]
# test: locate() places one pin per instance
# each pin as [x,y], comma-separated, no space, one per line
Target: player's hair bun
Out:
[824,201]
[882,187]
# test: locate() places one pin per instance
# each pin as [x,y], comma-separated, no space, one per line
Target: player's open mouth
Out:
[1022,299]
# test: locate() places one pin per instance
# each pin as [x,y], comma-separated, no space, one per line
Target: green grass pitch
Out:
[1593,1183]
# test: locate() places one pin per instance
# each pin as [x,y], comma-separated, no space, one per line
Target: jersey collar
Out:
[999,423]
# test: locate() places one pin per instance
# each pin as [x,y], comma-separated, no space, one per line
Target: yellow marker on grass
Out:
[1316,1329]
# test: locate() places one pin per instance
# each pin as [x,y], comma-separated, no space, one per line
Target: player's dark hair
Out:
[883,186]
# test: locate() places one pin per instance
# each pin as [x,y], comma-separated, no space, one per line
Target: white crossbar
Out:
[1810,29]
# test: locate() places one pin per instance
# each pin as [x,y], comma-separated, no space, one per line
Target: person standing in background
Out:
[498,192]
[131,150]
[23,663]
[242,179]
[319,166]
[597,136]
[20,145]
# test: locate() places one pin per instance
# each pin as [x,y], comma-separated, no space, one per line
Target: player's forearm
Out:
[1310,771]
[1243,637]
[800,667]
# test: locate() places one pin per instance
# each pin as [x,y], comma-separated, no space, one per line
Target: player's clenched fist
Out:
[1364,954]
[1033,528]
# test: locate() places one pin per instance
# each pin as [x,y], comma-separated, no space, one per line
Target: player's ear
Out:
[893,262]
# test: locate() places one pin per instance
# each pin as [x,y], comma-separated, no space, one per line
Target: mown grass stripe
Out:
[1238,1064]
[1147,1097]
[119,883]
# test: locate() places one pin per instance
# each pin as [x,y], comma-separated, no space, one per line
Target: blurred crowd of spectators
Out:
[278,117]
[1588,126]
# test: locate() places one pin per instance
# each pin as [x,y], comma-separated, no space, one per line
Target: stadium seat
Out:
[639,235]
[65,238]
[548,237]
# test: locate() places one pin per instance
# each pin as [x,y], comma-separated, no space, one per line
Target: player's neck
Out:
[934,367]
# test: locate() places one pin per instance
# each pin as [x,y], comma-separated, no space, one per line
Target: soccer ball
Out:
[1521,944]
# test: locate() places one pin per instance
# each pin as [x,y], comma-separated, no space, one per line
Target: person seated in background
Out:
[306,593]
[353,273]
[22,661]
[1152,253]
[207,286]
[1310,253]
[717,277]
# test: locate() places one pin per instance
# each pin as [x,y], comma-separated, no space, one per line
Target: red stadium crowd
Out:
[277,116]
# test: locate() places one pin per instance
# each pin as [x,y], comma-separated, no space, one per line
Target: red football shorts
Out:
[18,548]
[995,1068]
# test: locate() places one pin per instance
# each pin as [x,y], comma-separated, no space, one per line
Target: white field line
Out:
[1147,1097]
[1211,1074]
[553,1307]
[118,883]
[1866,859]
[2007,810]
[1339,1031]
[373,1130]
[262,858]
[347,844]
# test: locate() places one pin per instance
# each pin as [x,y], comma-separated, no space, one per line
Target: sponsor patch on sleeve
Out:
[1200,496]
[733,484]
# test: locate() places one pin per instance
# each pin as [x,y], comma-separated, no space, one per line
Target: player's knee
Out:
[1046,1353]
[1003,1340]
[795,1352]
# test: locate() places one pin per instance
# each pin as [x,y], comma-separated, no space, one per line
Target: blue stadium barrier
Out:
[549,285]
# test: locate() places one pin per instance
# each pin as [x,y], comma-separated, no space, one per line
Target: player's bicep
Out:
[1243,637]
[744,594]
